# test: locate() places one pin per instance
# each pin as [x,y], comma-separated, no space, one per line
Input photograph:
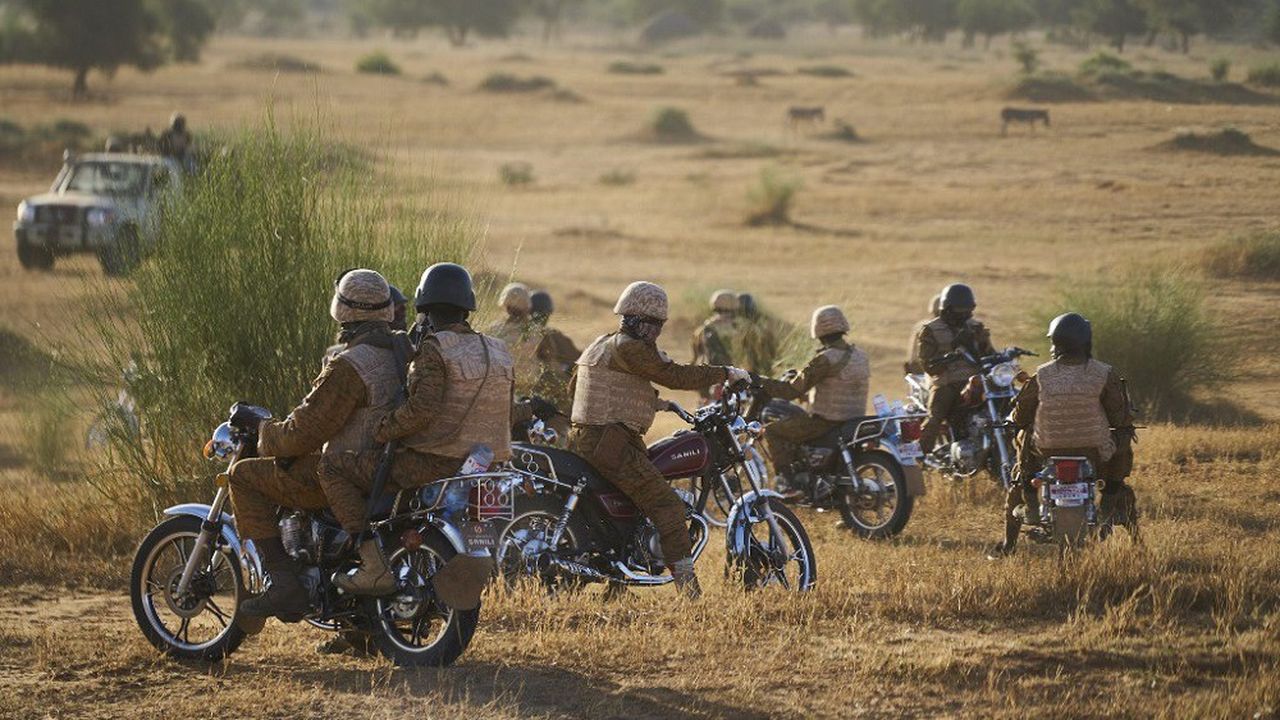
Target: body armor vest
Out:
[477,398]
[1070,413]
[377,370]
[603,396]
[718,340]
[957,371]
[843,394]
[522,340]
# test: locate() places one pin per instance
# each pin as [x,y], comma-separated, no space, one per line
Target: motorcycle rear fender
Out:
[250,561]
[735,539]
[912,472]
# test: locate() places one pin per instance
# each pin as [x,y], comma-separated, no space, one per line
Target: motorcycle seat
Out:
[845,432]
[569,466]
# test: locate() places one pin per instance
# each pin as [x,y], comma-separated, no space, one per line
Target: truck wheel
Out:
[123,256]
[34,257]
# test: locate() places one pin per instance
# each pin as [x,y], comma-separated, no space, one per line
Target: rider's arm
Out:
[427,376]
[336,393]
[1025,405]
[928,349]
[982,340]
[1115,401]
[642,358]
[817,370]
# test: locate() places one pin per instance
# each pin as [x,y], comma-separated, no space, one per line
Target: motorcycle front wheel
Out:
[412,627]
[877,504]
[199,625]
[765,560]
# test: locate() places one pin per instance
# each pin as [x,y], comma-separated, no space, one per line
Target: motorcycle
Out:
[192,571]
[572,527]
[1068,509]
[866,468]
[978,435]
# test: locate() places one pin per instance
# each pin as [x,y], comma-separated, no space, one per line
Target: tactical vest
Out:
[603,396]
[957,371]
[477,398]
[1070,413]
[842,395]
[718,340]
[377,370]
[522,340]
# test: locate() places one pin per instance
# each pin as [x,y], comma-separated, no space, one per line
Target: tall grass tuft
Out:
[1256,257]
[1153,327]
[377,63]
[771,198]
[234,304]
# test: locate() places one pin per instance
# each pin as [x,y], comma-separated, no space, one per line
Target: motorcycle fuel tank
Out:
[681,455]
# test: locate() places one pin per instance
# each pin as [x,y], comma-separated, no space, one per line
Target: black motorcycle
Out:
[192,571]
[865,468]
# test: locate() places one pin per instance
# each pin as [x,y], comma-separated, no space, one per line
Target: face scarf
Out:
[641,327]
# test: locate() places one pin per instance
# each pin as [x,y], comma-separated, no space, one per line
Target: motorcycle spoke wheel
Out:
[768,560]
[876,506]
[524,540]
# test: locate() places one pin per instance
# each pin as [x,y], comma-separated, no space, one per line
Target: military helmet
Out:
[540,303]
[359,295]
[958,295]
[724,301]
[642,298]
[828,320]
[445,284]
[178,121]
[515,298]
[935,306]
[397,297]
[1071,334]
[747,305]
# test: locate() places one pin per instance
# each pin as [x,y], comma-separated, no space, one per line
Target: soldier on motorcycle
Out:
[459,397]
[758,335]
[954,329]
[520,333]
[614,405]
[913,366]
[714,341]
[837,381]
[354,389]
[556,354]
[1074,406]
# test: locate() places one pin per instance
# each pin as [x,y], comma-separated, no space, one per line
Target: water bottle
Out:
[455,499]
[478,461]
[881,405]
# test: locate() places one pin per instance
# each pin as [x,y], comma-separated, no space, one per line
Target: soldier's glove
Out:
[542,409]
[247,418]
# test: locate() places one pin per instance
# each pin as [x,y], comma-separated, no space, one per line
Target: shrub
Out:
[1153,326]
[1220,69]
[1256,257]
[1267,75]
[771,198]
[825,71]
[47,433]
[236,295]
[618,177]
[435,78]
[1049,87]
[506,82]
[670,124]
[1228,141]
[1028,57]
[377,63]
[625,67]
[277,62]
[1102,63]
[516,173]
[843,132]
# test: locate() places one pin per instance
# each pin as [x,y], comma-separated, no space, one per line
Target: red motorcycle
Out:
[571,526]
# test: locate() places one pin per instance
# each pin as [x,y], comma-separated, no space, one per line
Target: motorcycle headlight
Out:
[221,445]
[98,217]
[26,213]
[1004,374]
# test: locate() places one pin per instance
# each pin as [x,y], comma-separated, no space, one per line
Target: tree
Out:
[704,12]
[1115,20]
[458,18]
[551,13]
[989,18]
[105,35]
[1186,18]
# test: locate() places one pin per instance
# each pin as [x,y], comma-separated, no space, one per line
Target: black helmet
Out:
[397,297]
[1071,334]
[747,304]
[445,284]
[957,296]
[540,303]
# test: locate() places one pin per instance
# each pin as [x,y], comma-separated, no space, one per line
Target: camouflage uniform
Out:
[758,341]
[837,370]
[523,338]
[1110,453]
[935,339]
[714,342]
[614,406]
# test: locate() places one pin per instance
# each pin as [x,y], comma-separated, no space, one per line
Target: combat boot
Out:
[686,579]
[286,597]
[1009,545]
[373,577]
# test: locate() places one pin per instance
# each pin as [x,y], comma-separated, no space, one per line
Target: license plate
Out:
[910,450]
[479,537]
[1069,493]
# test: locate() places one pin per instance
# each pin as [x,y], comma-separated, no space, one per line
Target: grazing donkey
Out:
[1026,115]
[797,116]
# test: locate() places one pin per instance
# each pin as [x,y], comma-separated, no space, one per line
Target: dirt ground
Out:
[1184,626]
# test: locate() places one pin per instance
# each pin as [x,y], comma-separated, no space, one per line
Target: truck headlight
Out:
[98,217]
[26,213]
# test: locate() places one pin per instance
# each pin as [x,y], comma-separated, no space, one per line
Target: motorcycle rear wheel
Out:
[168,621]
[1070,528]
[400,630]
[865,514]
[532,516]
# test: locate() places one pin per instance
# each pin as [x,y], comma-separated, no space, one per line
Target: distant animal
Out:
[797,115]
[1029,116]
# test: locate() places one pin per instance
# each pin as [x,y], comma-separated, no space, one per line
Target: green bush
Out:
[625,67]
[1267,75]
[1028,57]
[771,198]
[1256,257]
[825,71]
[516,173]
[47,433]
[234,304]
[1220,69]
[506,82]
[670,124]
[1102,63]
[1152,325]
[377,63]
[617,177]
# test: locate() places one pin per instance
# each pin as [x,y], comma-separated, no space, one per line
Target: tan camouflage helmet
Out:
[515,298]
[642,298]
[724,301]
[360,295]
[828,320]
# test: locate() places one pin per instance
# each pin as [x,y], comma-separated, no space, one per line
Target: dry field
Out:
[1185,625]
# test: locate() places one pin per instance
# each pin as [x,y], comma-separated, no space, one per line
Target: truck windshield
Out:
[107,178]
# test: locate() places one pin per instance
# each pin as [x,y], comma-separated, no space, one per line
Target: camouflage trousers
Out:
[347,478]
[943,400]
[784,437]
[620,455]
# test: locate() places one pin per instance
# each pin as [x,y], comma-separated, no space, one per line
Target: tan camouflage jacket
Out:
[335,394]
[1115,401]
[818,369]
